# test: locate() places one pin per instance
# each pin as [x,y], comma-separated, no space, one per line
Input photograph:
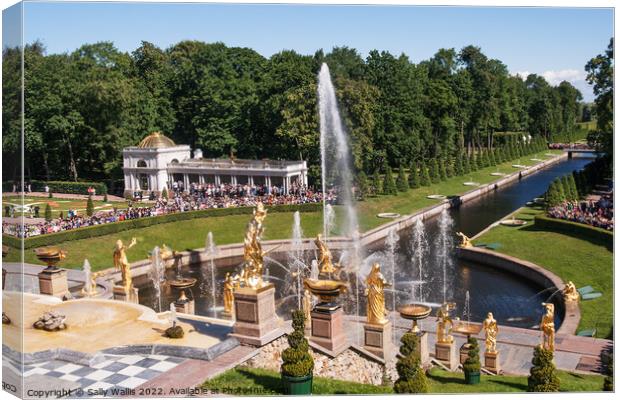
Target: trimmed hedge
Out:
[115,227]
[561,225]
[61,187]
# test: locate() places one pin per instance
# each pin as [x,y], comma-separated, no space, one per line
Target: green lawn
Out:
[254,381]
[581,260]
[59,204]
[191,234]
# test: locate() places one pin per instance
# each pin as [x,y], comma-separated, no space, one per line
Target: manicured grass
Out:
[581,260]
[59,204]
[254,381]
[191,234]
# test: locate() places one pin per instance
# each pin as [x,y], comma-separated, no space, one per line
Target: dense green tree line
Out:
[82,108]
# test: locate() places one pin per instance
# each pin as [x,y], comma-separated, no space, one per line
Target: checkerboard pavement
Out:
[120,372]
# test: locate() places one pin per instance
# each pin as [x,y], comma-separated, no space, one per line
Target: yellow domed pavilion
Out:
[156,140]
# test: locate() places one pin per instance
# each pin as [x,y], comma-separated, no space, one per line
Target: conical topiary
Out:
[425,177]
[443,173]
[296,360]
[414,176]
[466,165]
[411,376]
[362,185]
[458,164]
[543,376]
[376,183]
[433,170]
[48,212]
[90,207]
[164,193]
[389,186]
[401,181]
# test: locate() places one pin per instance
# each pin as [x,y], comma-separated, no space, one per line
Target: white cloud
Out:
[569,75]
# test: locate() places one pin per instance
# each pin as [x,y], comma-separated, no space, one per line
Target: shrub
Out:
[425,179]
[458,164]
[414,176]
[164,193]
[68,187]
[105,197]
[48,212]
[543,376]
[411,376]
[433,170]
[473,165]
[472,363]
[401,181]
[389,186]
[90,207]
[466,165]
[296,360]
[376,183]
[570,227]
[443,173]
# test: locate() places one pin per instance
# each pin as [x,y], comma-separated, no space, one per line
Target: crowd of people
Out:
[198,198]
[598,213]
[571,146]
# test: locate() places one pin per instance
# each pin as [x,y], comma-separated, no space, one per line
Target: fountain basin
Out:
[327,290]
[497,174]
[182,283]
[436,196]
[414,312]
[467,328]
[388,215]
[50,255]
[471,184]
[513,222]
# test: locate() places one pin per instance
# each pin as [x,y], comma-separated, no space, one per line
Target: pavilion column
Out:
[217,179]
[233,179]
[186,182]
[250,180]
[268,184]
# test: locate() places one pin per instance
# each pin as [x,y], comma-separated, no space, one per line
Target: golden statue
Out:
[465,240]
[252,275]
[375,308]
[229,287]
[307,306]
[570,292]
[120,262]
[326,267]
[547,326]
[443,320]
[490,329]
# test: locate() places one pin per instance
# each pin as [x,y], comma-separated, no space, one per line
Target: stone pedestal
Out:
[327,330]
[491,362]
[185,306]
[53,282]
[122,295]
[378,339]
[423,348]
[446,354]
[256,322]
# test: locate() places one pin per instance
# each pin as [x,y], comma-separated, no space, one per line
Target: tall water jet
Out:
[391,242]
[296,258]
[329,220]
[445,246]
[157,275]
[336,175]
[419,255]
[87,277]
[210,250]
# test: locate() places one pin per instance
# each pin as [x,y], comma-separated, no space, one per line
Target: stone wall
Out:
[350,365]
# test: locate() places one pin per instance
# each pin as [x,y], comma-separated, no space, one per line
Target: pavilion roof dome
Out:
[156,140]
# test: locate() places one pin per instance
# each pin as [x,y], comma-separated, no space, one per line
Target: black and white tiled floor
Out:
[120,372]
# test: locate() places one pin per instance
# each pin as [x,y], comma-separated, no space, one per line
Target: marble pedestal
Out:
[491,362]
[120,294]
[425,358]
[327,330]
[378,339]
[446,353]
[185,306]
[256,322]
[53,282]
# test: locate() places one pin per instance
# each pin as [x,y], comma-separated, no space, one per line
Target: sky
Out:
[553,42]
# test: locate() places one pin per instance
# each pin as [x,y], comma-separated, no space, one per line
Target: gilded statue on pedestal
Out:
[547,326]
[465,240]
[307,306]
[229,287]
[490,329]
[444,323]
[570,292]
[252,275]
[326,266]
[120,262]
[375,308]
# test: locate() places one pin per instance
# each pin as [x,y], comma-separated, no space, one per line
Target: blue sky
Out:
[555,42]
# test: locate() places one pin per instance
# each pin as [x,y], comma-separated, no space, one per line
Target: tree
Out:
[401,181]
[466,164]
[414,176]
[377,186]
[458,164]
[296,360]
[411,376]
[389,186]
[566,189]
[164,193]
[443,173]
[425,178]
[600,71]
[48,212]
[543,376]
